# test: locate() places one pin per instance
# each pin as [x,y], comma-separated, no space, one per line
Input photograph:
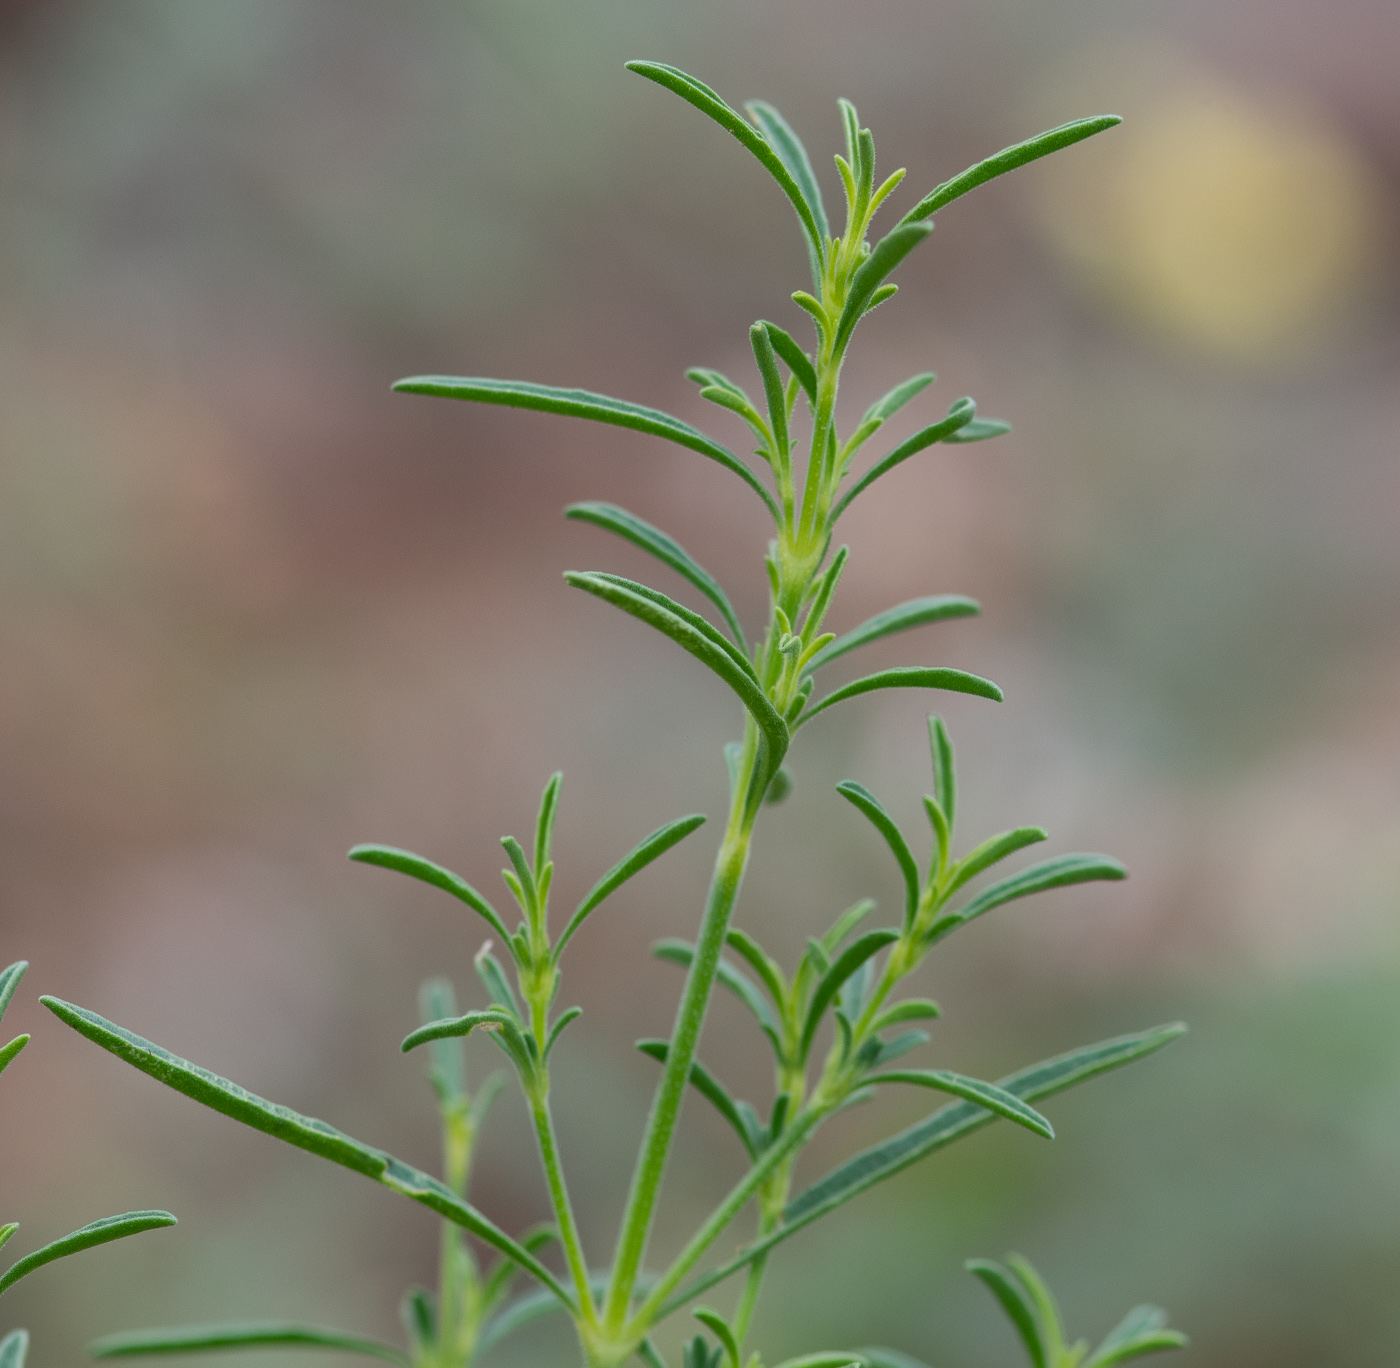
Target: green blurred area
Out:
[255,609]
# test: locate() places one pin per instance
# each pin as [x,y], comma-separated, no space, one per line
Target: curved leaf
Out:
[9,981]
[665,549]
[978,430]
[1142,1345]
[991,852]
[684,633]
[797,360]
[1141,1320]
[889,404]
[962,412]
[1020,1311]
[908,677]
[565,1020]
[881,820]
[416,867]
[637,859]
[760,962]
[578,403]
[900,618]
[788,146]
[845,964]
[194,1339]
[878,1357]
[451,1027]
[942,1128]
[683,952]
[693,619]
[1008,159]
[1060,872]
[711,1089]
[302,1131]
[98,1233]
[972,1090]
[884,257]
[8,1052]
[13,1349]
[708,102]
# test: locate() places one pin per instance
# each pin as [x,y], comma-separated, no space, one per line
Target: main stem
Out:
[661,1123]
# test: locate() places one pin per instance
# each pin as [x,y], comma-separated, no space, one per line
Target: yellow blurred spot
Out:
[1241,226]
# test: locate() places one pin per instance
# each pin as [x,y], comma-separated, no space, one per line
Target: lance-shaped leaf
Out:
[665,549]
[797,360]
[945,773]
[962,412]
[907,677]
[13,1349]
[991,852]
[760,962]
[889,404]
[577,403]
[196,1339]
[845,964]
[788,146]
[636,860]
[828,1358]
[709,648]
[870,275]
[1140,1347]
[978,430]
[695,620]
[1142,1331]
[683,953]
[900,618]
[98,1233]
[719,1327]
[943,1127]
[1057,873]
[449,1028]
[773,392]
[305,1132]
[912,1009]
[708,102]
[531,1307]
[416,867]
[985,1094]
[1008,159]
[8,1052]
[713,1091]
[1019,1308]
[9,981]
[869,804]
[565,1020]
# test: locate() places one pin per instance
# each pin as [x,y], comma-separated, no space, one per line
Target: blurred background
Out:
[255,608]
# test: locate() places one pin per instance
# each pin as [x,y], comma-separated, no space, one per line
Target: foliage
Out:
[838,1019]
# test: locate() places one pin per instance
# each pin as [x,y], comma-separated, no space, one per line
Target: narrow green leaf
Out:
[651,1355]
[1139,1347]
[879,1357]
[492,1019]
[544,823]
[416,867]
[788,146]
[302,1131]
[945,774]
[846,923]
[685,634]
[797,360]
[889,404]
[884,257]
[9,981]
[900,618]
[418,1312]
[908,677]
[1047,1311]
[991,852]
[845,964]
[708,102]
[195,1339]
[719,1327]
[446,1063]
[761,963]
[959,416]
[490,971]
[767,362]
[566,1018]
[6,1231]
[523,886]
[900,1045]
[98,1233]
[577,403]
[683,953]
[1060,872]
[914,1009]
[669,552]
[711,1089]
[973,1090]
[978,430]
[942,1128]
[1008,159]
[1141,1320]
[636,860]
[861,797]
[8,1052]
[831,1358]
[13,1349]
[1019,1309]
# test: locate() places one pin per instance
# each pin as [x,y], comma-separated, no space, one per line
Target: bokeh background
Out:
[255,608]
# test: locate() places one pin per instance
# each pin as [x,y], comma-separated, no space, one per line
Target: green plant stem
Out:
[661,1123]
[563,1208]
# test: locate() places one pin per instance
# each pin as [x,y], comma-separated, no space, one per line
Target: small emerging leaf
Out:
[884,257]
[13,1349]
[8,1052]
[797,360]
[9,981]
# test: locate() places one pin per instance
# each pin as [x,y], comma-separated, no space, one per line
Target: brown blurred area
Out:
[255,608]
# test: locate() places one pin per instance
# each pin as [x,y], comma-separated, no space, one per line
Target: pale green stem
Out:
[563,1208]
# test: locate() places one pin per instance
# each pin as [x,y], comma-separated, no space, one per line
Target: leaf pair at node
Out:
[1031,1308]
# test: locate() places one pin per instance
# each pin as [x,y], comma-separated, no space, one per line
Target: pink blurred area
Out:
[256,608]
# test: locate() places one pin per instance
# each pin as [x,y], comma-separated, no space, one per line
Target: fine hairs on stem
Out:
[846,1019]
